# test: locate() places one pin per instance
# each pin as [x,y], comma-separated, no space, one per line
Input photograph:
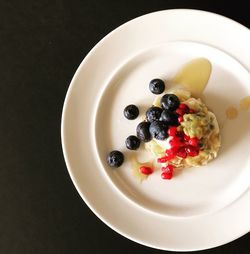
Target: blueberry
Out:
[153,114]
[132,142]
[156,86]
[170,102]
[158,130]
[169,117]
[131,112]
[142,131]
[115,159]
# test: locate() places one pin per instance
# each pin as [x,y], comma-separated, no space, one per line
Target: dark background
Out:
[41,45]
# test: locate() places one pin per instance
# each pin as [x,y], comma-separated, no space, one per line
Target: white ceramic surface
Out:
[198,208]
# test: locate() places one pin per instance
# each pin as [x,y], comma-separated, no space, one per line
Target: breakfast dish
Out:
[161,213]
[193,140]
[178,129]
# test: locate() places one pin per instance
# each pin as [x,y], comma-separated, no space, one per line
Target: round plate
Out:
[197,208]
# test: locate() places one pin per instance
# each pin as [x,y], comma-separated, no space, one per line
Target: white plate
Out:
[199,208]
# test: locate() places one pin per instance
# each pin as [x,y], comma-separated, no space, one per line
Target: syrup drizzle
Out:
[245,103]
[231,113]
[194,75]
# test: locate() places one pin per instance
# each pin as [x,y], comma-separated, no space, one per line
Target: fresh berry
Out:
[172,131]
[146,170]
[142,131]
[168,171]
[191,111]
[157,86]
[115,159]
[166,175]
[182,152]
[192,150]
[132,142]
[180,111]
[180,119]
[169,168]
[153,114]
[184,107]
[180,135]
[186,137]
[163,169]
[176,142]
[169,117]
[131,112]
[170,102]
[164,159]
[193,141]
[171,153]
[158,130]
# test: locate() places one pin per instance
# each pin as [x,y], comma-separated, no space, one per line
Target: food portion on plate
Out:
[186,134]
[178,129]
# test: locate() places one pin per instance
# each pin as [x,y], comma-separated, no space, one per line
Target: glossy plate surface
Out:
[197,209]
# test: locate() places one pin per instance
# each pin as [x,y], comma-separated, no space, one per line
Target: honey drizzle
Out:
[194,75]
[231,113]
[245,103]
[136,168]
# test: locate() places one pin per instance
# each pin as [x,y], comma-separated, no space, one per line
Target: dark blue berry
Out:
[142,131]
[158,130]
[170,102]
[153,114]
[132,142]
[131,112]
[115,159]
[169,117]
[157,86]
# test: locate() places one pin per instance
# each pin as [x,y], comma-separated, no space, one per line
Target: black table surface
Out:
[41,45]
